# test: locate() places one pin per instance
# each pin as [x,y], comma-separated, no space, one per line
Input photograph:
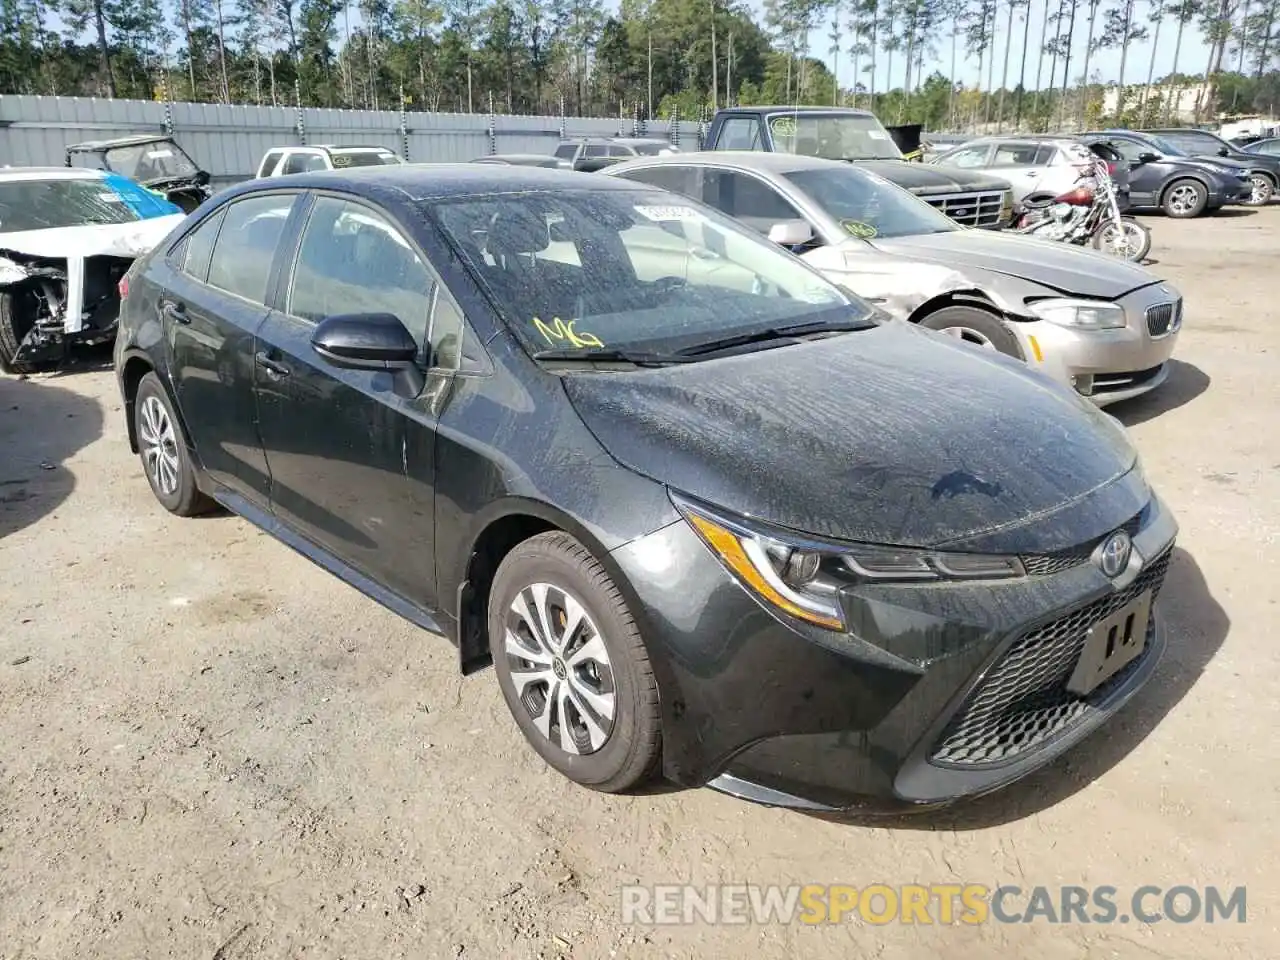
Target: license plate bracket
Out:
[1111,644]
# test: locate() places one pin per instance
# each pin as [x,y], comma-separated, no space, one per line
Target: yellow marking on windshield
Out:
[859,229]
[560,332]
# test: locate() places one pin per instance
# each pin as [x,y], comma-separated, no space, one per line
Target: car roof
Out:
[758,160]
[49,173]
[437,181]
[133,141]
[786,108]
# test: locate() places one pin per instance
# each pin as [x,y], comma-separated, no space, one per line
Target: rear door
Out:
[352,462]
[213,303]
[1018,162]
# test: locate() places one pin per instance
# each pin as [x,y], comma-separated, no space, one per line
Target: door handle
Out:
[174,311]
[275,369]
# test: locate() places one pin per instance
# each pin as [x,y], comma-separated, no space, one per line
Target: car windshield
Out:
[835,136]
[869,206]
[343,159]
[159,160]
[582,270]
[49,204]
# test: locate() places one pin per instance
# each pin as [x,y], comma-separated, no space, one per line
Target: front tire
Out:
[1263,190]
[1185,199]
[17,315]
[162,448]
[1132,241]
[572,665]
[976,327]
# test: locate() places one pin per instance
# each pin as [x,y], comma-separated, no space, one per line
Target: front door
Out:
[1144,178]
[352,460]
[212,304]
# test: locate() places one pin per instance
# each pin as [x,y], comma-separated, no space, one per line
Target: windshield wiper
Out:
[785,332]
[638,357]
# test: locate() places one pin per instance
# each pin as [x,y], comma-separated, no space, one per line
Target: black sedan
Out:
[704,512]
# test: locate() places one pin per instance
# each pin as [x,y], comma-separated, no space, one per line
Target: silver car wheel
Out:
[969,335]
[1183,199]
[1261,190]
[159,444]
[560,668]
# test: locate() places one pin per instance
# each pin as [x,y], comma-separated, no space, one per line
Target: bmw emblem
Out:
[1113,558]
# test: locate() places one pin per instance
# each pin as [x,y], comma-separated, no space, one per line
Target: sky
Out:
[1192,58]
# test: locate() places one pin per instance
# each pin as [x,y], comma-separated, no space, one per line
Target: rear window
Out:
[362,158]
[49,204]
[567,151]
[654,149]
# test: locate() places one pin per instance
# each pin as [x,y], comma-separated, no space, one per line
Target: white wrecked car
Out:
[67,236]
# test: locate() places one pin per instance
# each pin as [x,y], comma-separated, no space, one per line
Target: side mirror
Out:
[1148,157]
[1224,151]
[370,341]
[791,233]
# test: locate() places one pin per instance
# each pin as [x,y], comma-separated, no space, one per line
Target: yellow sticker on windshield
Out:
[859,229]
[560,332]
[783,126]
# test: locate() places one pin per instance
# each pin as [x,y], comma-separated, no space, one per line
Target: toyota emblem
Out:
[1113,558]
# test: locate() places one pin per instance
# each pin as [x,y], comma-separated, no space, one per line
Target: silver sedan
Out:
[1102,325]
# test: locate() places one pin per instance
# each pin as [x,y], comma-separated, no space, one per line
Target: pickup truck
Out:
[841,133]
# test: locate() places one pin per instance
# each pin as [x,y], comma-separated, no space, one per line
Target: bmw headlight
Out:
[803,577]
[1084,314]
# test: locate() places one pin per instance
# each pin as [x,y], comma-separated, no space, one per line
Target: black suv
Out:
[1264,171]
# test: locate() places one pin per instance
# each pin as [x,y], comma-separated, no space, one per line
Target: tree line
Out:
[656,57]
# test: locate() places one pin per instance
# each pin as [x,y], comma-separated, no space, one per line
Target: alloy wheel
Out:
[1183,199]
[560,668]
[159,444]
[1261,190]
[969,335]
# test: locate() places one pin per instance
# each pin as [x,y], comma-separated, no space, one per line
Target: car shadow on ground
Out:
[41,426]
[1196,627]
[1186,382]
[1230,212]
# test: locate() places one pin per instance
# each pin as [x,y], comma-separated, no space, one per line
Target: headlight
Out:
[803,577]
[1085,314]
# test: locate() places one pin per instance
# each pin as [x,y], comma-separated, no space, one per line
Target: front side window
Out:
[596,150]
[49,204]
[585,269]
[246,245]
[747,198]
[352,260]
[1270,148]
[1193,143]
[869,206]
[739,133]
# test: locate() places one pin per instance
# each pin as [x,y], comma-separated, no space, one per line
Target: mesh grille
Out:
[1023,700]
[1051,563]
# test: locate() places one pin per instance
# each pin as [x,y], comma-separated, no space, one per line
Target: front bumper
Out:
[1108,366]
[940,691]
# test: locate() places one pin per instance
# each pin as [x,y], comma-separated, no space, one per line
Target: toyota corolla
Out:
[706,513]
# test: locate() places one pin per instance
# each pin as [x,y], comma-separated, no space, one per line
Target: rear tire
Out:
[162,448]
[587,700]
[1184,199]
[975,326]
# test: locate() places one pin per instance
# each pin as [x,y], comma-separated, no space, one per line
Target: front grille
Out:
[1022,702]
[970,209]
[1164,318]
[1047,564]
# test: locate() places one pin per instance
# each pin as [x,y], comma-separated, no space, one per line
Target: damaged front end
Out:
[49,304]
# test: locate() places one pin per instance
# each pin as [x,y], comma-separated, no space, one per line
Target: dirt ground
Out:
[210,748]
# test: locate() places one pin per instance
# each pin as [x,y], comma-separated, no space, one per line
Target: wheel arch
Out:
[135,365]
[498,530]
[960,298]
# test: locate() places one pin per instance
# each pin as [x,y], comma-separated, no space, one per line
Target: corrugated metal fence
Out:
[229,140]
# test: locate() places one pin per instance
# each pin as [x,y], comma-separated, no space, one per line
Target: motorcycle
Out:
[1088,213]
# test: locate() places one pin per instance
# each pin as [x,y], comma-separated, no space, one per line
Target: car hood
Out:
[1219,165]
[92,239]
[926,179]
[893,435]
[1065,268]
